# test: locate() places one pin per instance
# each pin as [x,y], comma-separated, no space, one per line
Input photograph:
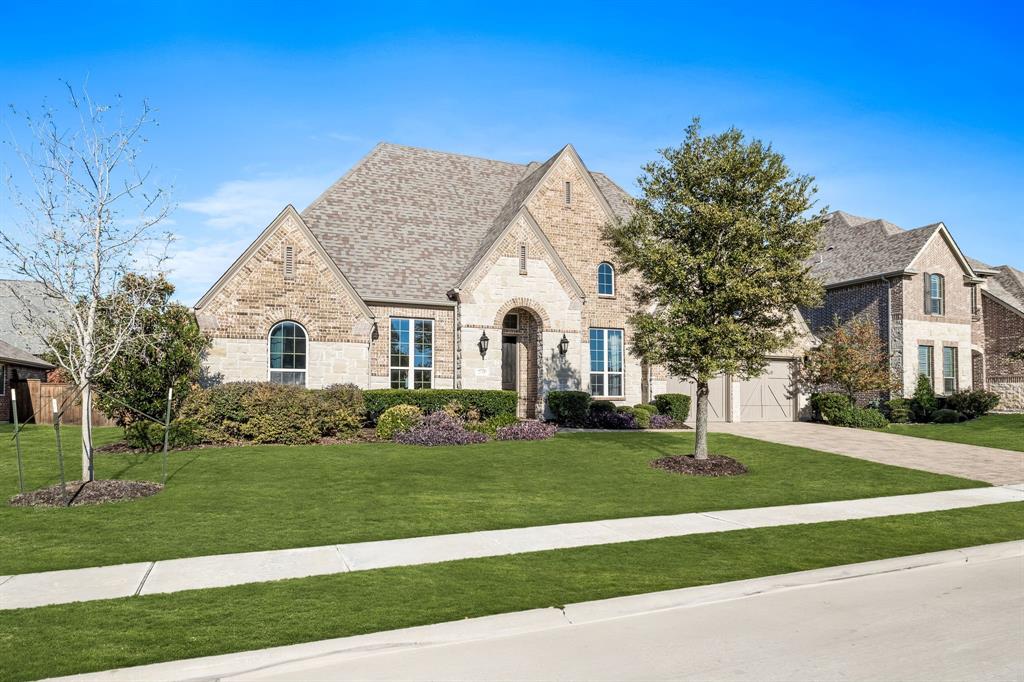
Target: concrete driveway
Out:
[1001,467]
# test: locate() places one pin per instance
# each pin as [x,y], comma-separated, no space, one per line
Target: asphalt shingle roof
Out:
[406,223]
[13,326]
[855,248]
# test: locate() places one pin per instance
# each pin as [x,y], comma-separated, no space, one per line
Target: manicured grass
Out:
[270,497]
[1004,431]
[71,638]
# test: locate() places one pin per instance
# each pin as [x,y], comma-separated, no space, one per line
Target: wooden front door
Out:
[509,366]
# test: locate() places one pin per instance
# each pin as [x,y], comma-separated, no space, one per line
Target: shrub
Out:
[972,403]
[675,405]
[398,419]
[830,407]
[599,406]
[486,403]
[438,428]
[348,396]
[643,417]
[663,421]
[531,430]
[570,408]
[148,435]
[613,420]
[646,406]
[490,427]
[281,414]
[898,410]
[923,404]
[863,418]
[219,411]
[946,417]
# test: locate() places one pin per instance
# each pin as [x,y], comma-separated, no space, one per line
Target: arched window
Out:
[287,351]
[605,279]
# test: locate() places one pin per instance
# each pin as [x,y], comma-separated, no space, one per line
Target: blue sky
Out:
[912,113]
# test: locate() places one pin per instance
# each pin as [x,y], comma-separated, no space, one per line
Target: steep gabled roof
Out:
[407,223]
[855,248]
[1007,285]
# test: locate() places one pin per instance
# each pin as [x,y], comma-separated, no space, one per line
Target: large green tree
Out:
[720,238]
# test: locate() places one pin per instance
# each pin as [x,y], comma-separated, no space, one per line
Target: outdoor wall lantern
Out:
[563,345]
[484,342]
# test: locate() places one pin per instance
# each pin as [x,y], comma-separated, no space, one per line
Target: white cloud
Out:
[254,203]
[195,265]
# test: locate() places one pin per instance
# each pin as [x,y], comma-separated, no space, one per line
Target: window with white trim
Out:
[936,294]
[287,350]
[412,353]
[949,380]
[606,362]
[605,280]
[925,363]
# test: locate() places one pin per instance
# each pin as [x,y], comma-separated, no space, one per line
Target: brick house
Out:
[20,350]
[426,269]
[942,314]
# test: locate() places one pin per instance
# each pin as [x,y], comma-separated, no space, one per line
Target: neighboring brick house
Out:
[941,314]
[421,268]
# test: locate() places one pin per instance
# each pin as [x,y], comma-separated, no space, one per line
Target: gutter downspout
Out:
[454,295]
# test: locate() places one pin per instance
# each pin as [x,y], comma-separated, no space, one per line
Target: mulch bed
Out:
[714,465]
[93,492]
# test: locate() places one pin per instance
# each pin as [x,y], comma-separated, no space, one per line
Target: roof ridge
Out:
[384,143]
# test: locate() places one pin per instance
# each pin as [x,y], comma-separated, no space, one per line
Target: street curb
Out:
[263,663]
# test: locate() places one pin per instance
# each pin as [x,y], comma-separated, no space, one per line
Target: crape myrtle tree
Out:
[720,237]
[851,357]
[84,213]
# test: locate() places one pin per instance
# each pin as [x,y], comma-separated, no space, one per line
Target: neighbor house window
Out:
[925,364]
[288,354]
[606,362]
[605,279]
[412,353]
[936,294]
[949,382]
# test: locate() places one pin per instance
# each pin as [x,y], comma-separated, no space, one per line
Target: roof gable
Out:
[289,213]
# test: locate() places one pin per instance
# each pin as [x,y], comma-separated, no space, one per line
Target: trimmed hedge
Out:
[271,413]
[972,403]
[570,408]
[486,403]
[675,405]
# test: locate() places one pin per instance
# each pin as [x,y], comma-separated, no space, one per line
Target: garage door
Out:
[718,397]
[769,397]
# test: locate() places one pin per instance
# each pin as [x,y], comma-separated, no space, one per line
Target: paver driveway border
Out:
[992,465]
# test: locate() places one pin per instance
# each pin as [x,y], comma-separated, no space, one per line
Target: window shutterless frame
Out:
[949,369]
[287,352]
[926,363]
[411,353]
[607,376]
[605,280]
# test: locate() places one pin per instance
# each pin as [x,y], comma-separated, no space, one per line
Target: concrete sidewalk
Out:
[126,580]
[992,465]
[945,615]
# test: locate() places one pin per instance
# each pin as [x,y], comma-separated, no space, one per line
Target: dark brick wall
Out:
[1004,333]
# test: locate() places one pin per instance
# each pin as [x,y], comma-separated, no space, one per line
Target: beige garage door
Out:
[718,397]
[769,397]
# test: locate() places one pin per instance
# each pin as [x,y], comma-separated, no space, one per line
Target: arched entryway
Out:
[521,350]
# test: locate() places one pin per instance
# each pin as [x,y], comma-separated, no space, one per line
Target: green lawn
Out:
[223,500]
[71,638]
[1004,431]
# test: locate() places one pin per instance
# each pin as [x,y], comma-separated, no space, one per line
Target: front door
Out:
[509,367]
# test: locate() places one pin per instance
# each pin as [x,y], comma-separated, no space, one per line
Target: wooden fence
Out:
[35,400]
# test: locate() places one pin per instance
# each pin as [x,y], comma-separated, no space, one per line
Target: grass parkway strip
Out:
[70,638]
[243,499]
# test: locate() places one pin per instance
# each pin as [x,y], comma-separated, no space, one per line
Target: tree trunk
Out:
[700,448]
[87,468]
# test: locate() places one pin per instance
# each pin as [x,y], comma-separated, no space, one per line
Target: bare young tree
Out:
[85,213]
